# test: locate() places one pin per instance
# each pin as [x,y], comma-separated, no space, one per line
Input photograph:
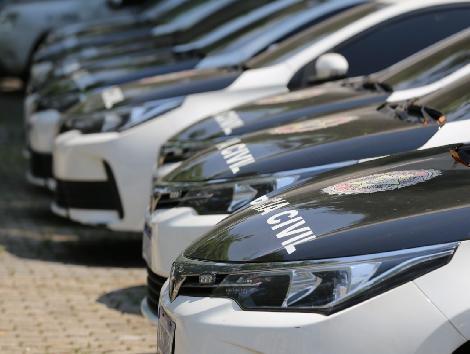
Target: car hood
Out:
[281,109]
[111,24]
[159,87]
[123,34]
[319,143]
[87,79]
[410,200]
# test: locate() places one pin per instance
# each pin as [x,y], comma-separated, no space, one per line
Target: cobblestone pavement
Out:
[64,288]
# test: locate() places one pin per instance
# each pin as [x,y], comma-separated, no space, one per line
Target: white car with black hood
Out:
[363,260]
[107,161]
[217,182]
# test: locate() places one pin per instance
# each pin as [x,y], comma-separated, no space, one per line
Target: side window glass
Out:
[394,40]
[397,39]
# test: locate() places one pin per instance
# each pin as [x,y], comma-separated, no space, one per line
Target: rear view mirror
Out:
[331,65]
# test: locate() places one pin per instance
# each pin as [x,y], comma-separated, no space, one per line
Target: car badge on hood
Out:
[382,182]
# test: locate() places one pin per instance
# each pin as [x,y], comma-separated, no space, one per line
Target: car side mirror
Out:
[331,65]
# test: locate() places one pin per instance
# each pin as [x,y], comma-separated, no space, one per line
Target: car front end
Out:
[374,254]
[79,157]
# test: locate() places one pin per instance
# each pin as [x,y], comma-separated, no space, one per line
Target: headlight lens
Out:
[311,286]
[118,119]
[215,197]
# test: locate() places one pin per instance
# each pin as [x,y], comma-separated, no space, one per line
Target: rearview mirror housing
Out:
[331,65]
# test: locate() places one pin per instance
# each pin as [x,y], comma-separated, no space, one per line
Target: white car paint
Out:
[426,316]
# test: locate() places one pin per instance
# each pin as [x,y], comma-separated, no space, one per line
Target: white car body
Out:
[426,316]
[24,24]
[131,154]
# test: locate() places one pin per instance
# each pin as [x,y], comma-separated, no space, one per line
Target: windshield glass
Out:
[168,10]
[310,36]
[228,35]
[429,65]
[276,28]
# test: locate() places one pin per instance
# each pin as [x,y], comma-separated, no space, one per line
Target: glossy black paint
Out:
[347,136]
[105,78]
[428,213]
[145,31]
[423,68]
[181,84]
[350,135]
[279,110]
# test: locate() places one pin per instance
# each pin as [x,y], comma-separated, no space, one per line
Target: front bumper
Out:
[42,129]
[74,196]
[402,320]
[168,232]
[40,170]
[149,306]
[103,178]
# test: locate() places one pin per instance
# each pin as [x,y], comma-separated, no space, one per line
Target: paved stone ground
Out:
[64,288]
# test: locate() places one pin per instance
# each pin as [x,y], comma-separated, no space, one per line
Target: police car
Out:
[368,259]
[205,189]
[119,163]
[194,74]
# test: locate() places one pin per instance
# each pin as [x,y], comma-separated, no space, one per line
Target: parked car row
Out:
[306,162]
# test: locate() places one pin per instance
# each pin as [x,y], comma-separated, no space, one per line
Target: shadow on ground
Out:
[125,300]
[27,227]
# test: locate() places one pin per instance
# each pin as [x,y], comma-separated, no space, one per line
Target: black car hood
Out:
[160,87]
[337,138]
[73,44]
[281,109]
[410,200]
[85,80]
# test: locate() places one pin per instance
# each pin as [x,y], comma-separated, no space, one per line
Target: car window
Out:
[308,37]
[429,65]
[394,40]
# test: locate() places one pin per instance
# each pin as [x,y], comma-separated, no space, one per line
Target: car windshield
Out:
[429,65]
[309,36]
[189,18]
[168,10]
[227,36]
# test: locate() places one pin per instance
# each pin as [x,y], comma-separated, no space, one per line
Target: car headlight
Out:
[324,286]
[176,151]
[119,119]
[215,197]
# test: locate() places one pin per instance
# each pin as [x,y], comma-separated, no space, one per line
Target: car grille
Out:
[154,286]
[40,165]
[102,195]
